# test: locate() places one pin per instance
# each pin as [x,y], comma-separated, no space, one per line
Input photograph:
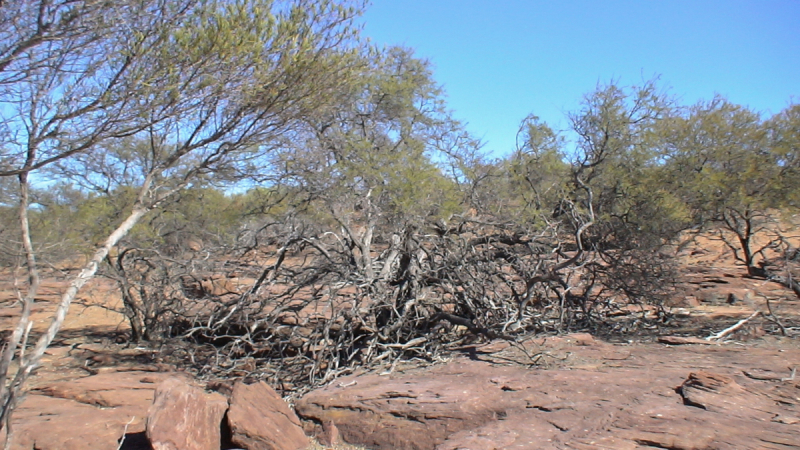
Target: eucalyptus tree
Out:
[538,171]
[783,130]
[65,72]
[582,219]
[616,174]
[361,191]
[734,170]
[207,86]
[370,167]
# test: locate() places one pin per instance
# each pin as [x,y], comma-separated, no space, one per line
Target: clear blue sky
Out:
[504,59]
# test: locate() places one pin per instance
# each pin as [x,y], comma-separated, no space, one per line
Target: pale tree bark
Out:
[33,284]
[11,393]
[18,339]
[214,103]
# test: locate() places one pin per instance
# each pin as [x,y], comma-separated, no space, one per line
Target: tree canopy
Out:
[171,140]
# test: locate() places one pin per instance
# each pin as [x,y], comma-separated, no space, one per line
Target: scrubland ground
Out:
[94,385]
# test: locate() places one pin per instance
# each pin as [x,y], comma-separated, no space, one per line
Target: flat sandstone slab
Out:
[595,395]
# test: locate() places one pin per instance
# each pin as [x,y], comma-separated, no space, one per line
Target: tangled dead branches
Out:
[305,309]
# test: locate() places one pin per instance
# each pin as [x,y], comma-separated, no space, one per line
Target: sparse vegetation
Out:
[265,187]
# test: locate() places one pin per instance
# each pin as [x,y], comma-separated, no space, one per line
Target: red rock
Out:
[687,438]
[594,399]
[415,412]
[89,412]
[49,423]
[108,389]
[680,340]
[184,417]
[330,434]
[708,390]
[259,419]
[578,396]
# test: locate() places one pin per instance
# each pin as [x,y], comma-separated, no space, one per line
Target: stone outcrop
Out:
[97,411]
[580,393]
[595,395]
[185,417]
[259,419]
[89,412]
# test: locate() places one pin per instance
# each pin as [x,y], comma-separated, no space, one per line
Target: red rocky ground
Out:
[574,391]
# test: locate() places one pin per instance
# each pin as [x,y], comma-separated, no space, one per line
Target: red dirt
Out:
[626,387]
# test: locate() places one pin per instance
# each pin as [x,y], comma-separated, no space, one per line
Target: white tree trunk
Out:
[27,364]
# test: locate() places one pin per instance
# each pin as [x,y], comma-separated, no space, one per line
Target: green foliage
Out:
[612,175]
[66,220]
[376,153]
[719,158]
[538,174]
[203,215]
[784,143]
[731,168]
[151,113]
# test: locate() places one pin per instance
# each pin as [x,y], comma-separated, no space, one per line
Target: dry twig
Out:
[731,329]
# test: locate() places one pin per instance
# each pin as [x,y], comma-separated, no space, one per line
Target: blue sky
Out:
[504,59]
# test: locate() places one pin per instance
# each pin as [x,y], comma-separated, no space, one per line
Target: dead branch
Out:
[729,330]
[771,317]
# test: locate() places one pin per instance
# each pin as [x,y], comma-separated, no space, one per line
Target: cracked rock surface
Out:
[591,395]
[86,413]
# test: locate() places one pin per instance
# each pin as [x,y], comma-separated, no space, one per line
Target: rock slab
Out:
[603,396]
[259,419]
[89,412]
[185,417]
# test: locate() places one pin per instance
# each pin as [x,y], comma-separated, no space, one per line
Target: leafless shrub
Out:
[310,311]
